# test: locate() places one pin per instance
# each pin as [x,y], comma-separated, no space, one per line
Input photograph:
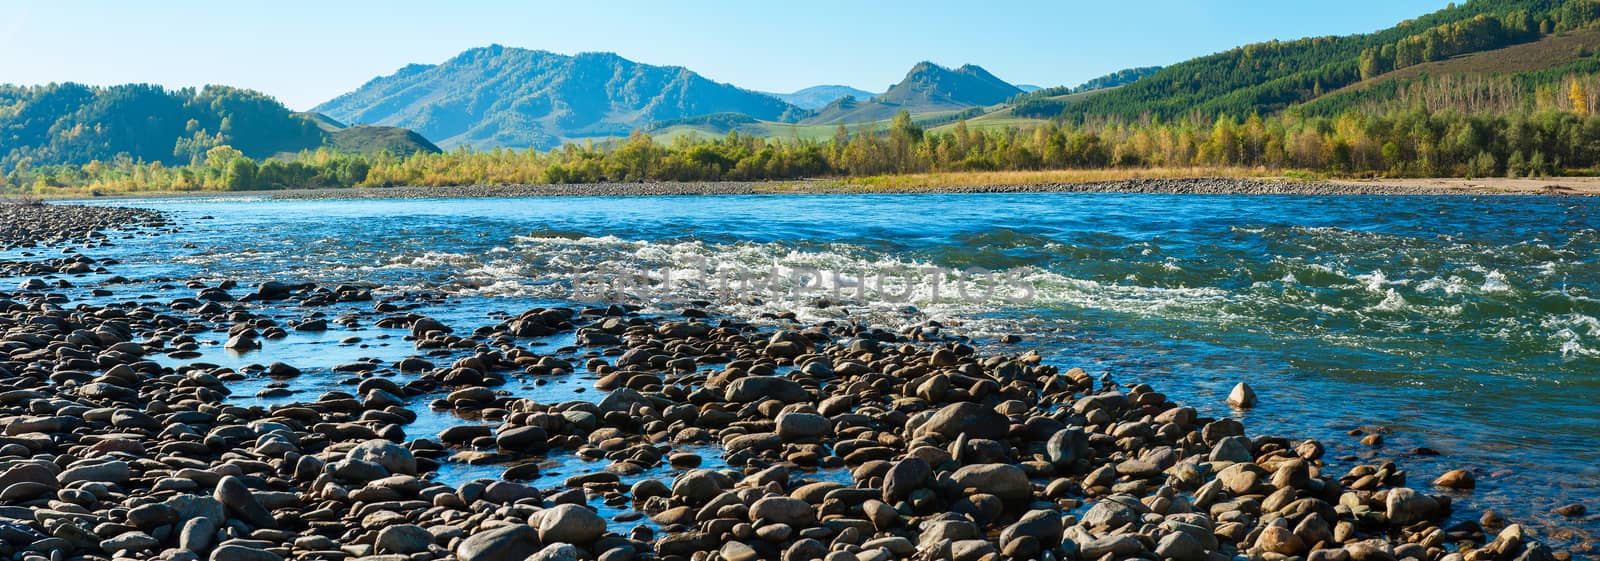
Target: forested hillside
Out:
[77,124]
[1265,78]
[1051,102]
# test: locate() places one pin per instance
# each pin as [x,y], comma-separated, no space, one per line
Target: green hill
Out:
[77,124]
[368,139]
[1269,77]
[506,97]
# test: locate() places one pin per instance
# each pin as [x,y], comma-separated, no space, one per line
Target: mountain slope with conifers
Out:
[1265,78]
[517,98]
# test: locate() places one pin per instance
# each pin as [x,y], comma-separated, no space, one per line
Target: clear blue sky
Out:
[307,52]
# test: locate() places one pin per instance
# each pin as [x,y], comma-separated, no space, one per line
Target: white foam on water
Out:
[1392,301]
[1450,286]
[828,282]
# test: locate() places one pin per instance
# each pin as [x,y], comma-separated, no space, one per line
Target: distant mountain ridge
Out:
[518,98]
[817,97]
[928,87]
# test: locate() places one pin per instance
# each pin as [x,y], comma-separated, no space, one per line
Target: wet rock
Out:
[570,524]
[392,457]
[197,534]
[241,342]
[1232,449]
[1180,546]
[152,515]
[1006,481]
[1404,506]
[1280,540]
[1119,545]
[129,542]
[1242,396]
[1043,525]
[1573,510]
[971,419]
[1456,479]
[971,550]
[699,486]
[115,471]
[240,502]
[904,477]
[523,439]
[784,510]
[196,506]
[622,400]
[736,551]
[1067,446]
[1109,515]
[26,491]
[557,552]
[404,539]
[757,388]
[797,427]
[507,543]
[243,553]
[506,492]
[1243,478]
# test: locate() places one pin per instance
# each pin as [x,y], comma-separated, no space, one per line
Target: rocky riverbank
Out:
[951,452]
[1197,186]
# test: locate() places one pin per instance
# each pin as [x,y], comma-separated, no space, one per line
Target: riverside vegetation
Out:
[1554,140]
[1483,88]
[943,451]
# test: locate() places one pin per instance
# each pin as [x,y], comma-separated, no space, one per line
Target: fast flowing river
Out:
[1465,325]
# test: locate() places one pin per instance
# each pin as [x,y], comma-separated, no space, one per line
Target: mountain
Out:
[1265,78]
[368,139]
[1029,88]
[817,97]
[927,88]
[77,124]
[517,98]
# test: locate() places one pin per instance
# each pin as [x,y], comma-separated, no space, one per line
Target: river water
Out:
[1465,325]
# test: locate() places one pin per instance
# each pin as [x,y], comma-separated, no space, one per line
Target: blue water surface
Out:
[1466,325]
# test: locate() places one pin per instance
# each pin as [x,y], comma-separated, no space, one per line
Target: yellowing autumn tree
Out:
[1580,102]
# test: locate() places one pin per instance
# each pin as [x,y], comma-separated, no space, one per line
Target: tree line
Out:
[1555,132]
